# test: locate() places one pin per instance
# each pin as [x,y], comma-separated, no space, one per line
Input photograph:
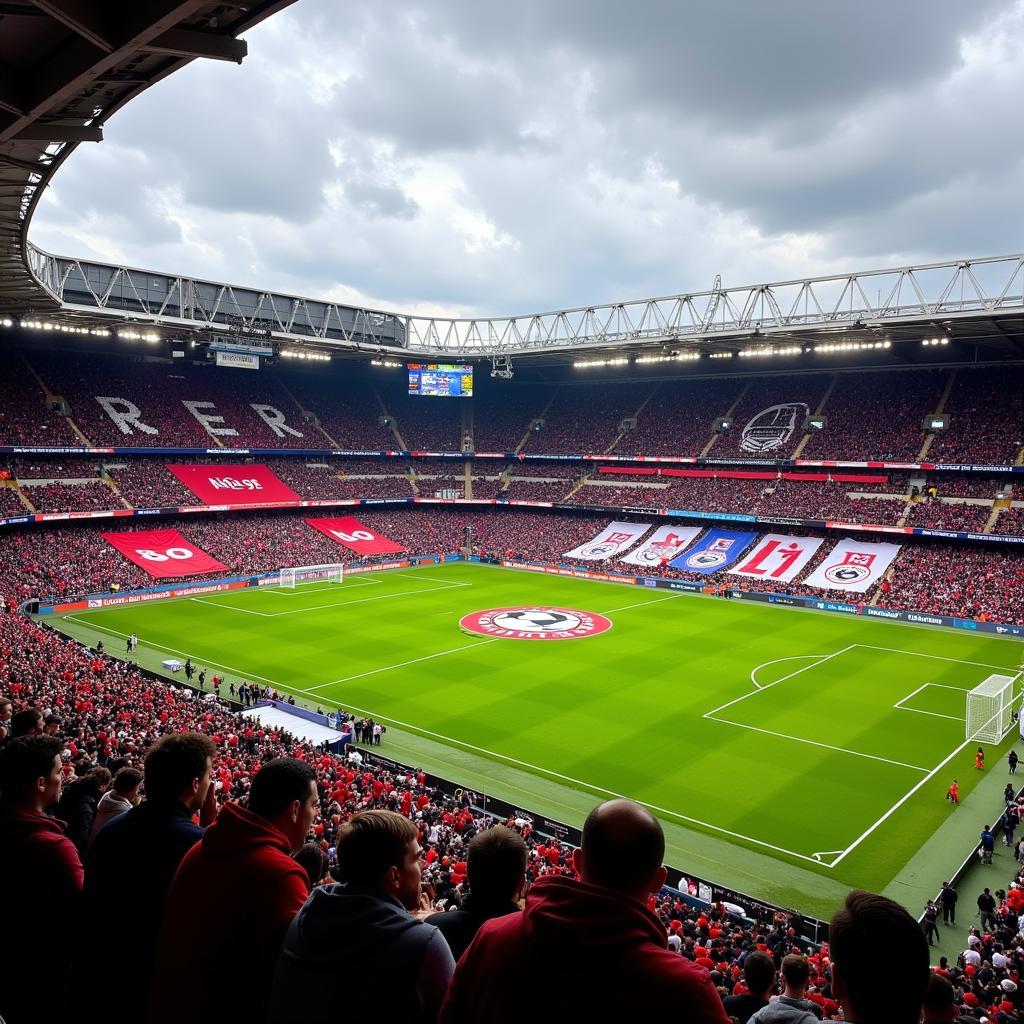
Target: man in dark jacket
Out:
[43,883]
[861,932]
[496,869]
[132,861]
[232,900]
[591,946]
[78,803]
[362,930]
[759,975]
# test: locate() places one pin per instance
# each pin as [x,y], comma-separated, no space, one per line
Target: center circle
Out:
[535,622]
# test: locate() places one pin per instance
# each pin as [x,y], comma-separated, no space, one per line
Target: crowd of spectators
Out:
[585,418]
[148,483]
[877,416]
[986,413]
[958,579]
[426,423]
[764,393]
[949,515]
[502,414]
[678,419]
[349,411]
[25,416]
[63,560]
[105,717]
[1010,521]
[10,503]
[94,496]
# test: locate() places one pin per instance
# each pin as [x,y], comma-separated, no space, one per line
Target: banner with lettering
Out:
[350,532]
[163,553]
[778,558]
[222,484]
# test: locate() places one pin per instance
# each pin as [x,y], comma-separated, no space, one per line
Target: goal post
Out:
[990,708]
[329,573]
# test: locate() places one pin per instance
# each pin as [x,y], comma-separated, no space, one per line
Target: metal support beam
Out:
[183,42]
[88,18]
[42,132]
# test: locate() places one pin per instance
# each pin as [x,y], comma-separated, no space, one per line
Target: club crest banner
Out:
[348,531]
[613,539]
[666,543]
[853,565]
[778,558]
[717,550]
[163,553]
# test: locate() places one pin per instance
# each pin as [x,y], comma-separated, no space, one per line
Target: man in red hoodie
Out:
[589,949]
[232,900]
[43,883]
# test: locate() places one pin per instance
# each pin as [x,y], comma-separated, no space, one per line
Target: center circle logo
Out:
[534,622]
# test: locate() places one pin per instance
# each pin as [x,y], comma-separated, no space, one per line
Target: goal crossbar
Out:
[329,572]
[990,708]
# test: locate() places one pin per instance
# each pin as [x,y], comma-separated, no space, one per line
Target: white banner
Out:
[853,565]
[778,557]
[612,540]
[662,546]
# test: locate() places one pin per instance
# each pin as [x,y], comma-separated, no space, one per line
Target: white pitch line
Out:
[768,686]
[765,664]
[335,604]
[174,650]
[815,743]
[232,608]
[402,664]
[575,782]
[938,657]
[923,686]
[640,604]
[934,714]
[899,803]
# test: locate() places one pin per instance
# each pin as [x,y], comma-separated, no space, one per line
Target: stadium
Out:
[741,566]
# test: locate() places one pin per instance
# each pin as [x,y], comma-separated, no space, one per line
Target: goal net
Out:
[334,573]
[990,708]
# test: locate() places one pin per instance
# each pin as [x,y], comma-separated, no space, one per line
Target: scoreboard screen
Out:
[440,380]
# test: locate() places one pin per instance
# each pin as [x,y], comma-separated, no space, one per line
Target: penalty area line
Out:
[579,783]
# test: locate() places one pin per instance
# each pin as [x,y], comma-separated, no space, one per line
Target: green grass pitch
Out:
[817,741]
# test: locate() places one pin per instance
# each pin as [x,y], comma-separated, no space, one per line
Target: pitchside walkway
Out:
[923,876]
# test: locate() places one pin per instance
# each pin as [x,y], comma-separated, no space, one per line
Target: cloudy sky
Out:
[472,157]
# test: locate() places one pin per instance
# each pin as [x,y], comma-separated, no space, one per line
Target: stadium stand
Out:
[586,418]
[64,560]
[502,415]
[798,395]
[949,515]
[95,496]
[25,415]
[110,714]
[147,483]
[877,416]
[986,409]
[678,419]
[348,411]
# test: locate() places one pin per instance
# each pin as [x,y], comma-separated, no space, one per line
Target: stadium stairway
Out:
[929,439]
[726,415]
[51,399]
[923,876]
[799,450]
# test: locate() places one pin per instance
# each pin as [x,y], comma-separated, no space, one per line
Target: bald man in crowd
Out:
[590,946]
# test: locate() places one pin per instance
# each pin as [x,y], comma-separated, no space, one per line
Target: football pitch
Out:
[773,738]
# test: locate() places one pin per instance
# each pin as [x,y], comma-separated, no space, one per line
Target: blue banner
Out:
[717,550]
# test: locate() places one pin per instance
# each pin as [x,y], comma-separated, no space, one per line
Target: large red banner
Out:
[163,553]
[353,534]
[235,485]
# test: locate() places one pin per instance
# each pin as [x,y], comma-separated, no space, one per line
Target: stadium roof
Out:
[65,67]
